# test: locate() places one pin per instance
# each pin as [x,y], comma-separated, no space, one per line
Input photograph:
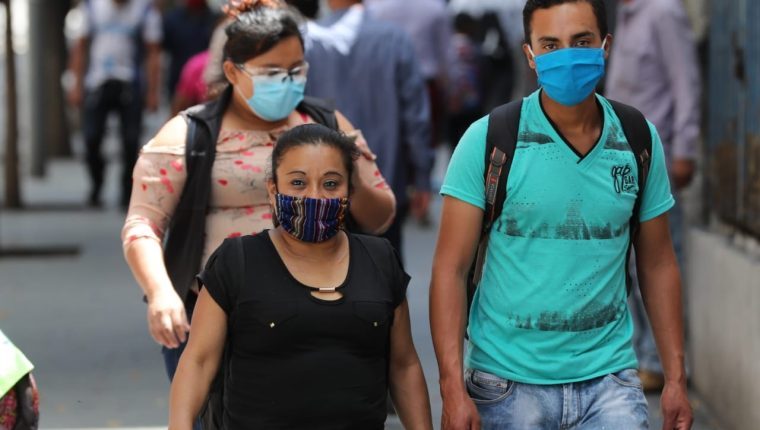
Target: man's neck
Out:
[584,116]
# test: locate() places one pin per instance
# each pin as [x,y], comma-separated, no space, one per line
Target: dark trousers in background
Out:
[437,111]
[125,99]
[393,234]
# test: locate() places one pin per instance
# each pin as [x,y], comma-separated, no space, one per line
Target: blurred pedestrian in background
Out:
[187,32]
[115,63]
[499,36]
[192,87]
[369,68]
[428,24]
[202,177]
[654,68]
[304,305]
[464,91]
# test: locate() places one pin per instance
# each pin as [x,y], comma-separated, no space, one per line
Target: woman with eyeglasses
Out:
[201,179]
[309,322]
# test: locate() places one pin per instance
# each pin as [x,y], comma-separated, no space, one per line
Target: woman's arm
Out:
[407,382]
[159,178]
[199,363]
[373,204]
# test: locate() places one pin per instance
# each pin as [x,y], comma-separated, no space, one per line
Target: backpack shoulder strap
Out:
[501,141]
[639,137]
[321,111]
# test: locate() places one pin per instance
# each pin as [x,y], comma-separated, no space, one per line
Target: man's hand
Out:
[75,96]
[459,413]
[151,101]
[419,204]
[167,319]
[682,172]
[676,410]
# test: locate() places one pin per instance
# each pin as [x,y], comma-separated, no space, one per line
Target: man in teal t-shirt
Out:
[549,329]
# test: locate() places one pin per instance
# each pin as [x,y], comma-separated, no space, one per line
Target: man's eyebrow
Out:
[582,35]
[548,39]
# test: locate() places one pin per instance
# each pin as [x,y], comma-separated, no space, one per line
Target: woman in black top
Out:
[316,318]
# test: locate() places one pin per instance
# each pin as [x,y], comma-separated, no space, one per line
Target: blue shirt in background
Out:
[368,68]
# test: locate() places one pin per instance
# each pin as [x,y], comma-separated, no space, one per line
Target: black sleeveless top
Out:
[298,362]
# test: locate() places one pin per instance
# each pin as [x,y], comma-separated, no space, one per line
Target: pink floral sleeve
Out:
[158,180]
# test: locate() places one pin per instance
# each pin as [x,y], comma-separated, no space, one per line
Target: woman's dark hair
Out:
[257,27]
[316,134]
[532,5]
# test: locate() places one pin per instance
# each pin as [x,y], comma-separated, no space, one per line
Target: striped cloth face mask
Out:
[308,219]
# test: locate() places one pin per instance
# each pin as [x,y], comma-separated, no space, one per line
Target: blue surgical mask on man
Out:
[274,99]
[570,75]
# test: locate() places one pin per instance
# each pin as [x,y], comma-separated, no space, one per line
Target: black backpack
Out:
[501,140]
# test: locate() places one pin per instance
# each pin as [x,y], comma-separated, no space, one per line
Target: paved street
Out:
[81,320]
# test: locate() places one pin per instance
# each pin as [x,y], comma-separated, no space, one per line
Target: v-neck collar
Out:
[594,149]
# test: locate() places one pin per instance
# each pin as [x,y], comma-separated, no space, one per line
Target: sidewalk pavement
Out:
[81,320]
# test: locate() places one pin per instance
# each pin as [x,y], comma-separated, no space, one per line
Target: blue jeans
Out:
[614,401]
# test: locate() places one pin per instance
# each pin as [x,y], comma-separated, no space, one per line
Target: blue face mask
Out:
[274,100]
[570,75]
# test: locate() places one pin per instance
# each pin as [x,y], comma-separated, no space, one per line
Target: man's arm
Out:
[457,243]
[660,284]
[679,57]
[153,65]
[77,66]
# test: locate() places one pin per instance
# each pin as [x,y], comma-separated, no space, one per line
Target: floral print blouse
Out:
[238,205]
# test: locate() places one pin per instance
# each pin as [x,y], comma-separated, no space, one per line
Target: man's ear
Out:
[529,56]
[607,46]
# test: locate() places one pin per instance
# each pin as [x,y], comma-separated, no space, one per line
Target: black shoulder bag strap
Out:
[639,137]
[189,218]
[501,142]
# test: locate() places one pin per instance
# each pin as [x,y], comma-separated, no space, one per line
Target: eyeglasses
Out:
[277,74]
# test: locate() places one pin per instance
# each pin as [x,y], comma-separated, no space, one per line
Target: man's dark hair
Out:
[532,5]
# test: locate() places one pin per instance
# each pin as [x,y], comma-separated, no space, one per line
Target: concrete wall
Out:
[723,309]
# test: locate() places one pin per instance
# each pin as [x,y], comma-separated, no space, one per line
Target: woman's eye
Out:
[331,184]
[297,183]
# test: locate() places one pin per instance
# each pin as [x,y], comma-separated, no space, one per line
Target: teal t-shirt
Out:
[551,304]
